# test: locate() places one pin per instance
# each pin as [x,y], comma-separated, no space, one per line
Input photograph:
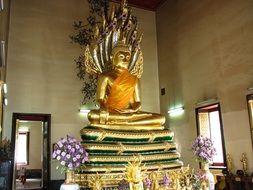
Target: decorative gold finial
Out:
[134,175]
[155,183]
[186,176]
[244,162]
[175,177]
[96,183]
[230,164]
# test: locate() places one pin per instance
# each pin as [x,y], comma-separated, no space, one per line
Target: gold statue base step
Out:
[94,134]
[110,151]
[108,177]
[129,127]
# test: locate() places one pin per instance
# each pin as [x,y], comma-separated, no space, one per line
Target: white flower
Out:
[63,163]
[54,154]
[60,144]
[78,156]
[68,156]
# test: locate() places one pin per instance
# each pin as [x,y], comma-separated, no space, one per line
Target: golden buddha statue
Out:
[118,93]
[119,131]
[116,58]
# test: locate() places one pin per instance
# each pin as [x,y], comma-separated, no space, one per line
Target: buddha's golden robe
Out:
[121,91]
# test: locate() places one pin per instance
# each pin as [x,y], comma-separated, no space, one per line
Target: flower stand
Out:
[209,185]
[70,181]
[72,186]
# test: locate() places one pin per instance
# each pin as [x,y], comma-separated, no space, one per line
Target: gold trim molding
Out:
[113,168]
[120,147]
[131,158]
[128,127]
[101,134]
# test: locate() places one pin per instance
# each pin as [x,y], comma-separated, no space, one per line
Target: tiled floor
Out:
[29,184]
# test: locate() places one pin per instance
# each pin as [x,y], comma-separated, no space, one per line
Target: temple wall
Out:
[205,51]
[41,73]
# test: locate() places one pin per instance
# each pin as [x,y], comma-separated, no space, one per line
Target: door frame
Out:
[45,118]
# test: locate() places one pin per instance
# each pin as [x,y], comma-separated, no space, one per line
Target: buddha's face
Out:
[121,59]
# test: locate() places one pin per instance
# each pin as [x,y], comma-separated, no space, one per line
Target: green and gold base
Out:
[110,151]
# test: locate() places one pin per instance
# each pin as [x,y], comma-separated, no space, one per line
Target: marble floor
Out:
[29,184]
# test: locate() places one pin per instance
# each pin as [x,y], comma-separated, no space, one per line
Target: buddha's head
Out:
[120,56]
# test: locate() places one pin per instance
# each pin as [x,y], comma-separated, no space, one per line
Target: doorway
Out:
[31,151]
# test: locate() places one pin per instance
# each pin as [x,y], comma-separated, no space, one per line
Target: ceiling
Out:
[151,5]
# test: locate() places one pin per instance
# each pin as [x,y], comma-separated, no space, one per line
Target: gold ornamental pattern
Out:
[131,158]
[127,147]
[116,168]
[101,134]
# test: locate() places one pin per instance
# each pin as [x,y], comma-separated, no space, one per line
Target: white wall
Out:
[205,51]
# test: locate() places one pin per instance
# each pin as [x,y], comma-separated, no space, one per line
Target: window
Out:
[23,148]
[250,108]
[209,125]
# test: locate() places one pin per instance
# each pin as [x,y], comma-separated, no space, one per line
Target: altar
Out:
[122,141]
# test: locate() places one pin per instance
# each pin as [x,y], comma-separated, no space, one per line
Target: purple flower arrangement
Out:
[203,149]
[147,183]
[123,185]
[166,181]
[70,153]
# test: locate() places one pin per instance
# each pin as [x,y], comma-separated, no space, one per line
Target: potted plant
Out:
[5,149]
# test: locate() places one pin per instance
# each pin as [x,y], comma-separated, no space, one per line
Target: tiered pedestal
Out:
[110,151]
